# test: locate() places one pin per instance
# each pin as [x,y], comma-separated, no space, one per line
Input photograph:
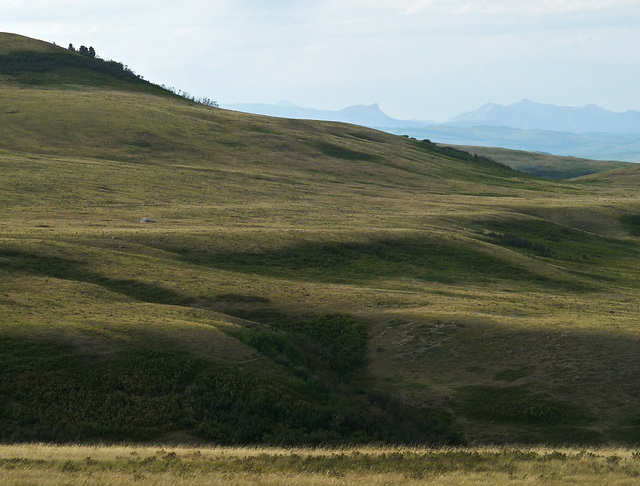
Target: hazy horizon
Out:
[427,60]
[290,104]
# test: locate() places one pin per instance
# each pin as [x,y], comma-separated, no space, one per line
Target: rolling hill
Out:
[303,282]
[545,165]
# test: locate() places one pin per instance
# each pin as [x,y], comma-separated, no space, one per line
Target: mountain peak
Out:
[365,115]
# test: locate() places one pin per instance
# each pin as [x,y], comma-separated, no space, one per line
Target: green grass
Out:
[632,223]
[305,282]
[29,63]
[415,258]
[562,243]
[518,405]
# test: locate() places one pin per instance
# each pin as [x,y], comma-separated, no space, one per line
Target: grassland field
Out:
[304,284]
[40,464]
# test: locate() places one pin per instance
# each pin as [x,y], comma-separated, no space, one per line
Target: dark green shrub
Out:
[518,405]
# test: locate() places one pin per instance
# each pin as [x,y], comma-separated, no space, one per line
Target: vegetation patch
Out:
[333,343]
[547,239]
[147,390]
[519,405]
[632,223]
[340,152]
[455,153]
[75,270]
[242,298]
[513,374]
[519,242]
[21,65]
[351,262]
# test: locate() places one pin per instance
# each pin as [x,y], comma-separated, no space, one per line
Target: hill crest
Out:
[31,62]
[10,42]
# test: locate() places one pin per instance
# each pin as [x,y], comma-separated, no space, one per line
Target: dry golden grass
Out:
[117,465]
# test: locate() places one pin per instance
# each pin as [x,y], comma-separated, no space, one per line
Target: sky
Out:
[418,59]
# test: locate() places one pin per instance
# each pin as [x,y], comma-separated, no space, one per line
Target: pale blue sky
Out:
[419,59]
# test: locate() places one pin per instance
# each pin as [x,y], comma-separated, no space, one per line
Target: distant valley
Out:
[587,132]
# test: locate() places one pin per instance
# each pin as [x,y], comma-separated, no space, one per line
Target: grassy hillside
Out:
[545,165]
[24,61]
[303,282]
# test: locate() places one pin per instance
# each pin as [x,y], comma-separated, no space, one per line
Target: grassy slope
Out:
[302,278]
[24,61]
[545,165]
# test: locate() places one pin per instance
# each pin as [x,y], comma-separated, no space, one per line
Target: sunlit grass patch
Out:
[198,465]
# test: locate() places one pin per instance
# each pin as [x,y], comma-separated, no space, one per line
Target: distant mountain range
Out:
[527,115]
[588,131]
[368,116]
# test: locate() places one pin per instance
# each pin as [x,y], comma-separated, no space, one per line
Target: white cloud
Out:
[518,7]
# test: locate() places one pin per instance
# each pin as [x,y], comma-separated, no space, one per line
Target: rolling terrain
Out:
[545,165]
[303,282]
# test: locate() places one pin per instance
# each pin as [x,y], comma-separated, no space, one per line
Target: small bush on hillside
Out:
[462,155]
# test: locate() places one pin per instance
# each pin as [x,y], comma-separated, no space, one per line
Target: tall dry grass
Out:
[38,464]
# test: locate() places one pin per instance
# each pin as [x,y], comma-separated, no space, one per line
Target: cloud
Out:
[419,56]
[518,7]
[417,7]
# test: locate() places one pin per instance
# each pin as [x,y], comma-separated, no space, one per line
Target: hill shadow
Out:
[68,269]
[359,262]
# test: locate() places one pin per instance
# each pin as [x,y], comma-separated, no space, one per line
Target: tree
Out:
[71,48]
[87,51]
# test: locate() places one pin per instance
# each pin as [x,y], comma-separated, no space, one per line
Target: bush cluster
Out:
[20,63]
[145,391]
[461,154]
[519,242]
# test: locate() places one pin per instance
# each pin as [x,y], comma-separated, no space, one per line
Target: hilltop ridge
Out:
[20,43]
[30,62]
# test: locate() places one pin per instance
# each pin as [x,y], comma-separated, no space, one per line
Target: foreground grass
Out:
[37,464]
